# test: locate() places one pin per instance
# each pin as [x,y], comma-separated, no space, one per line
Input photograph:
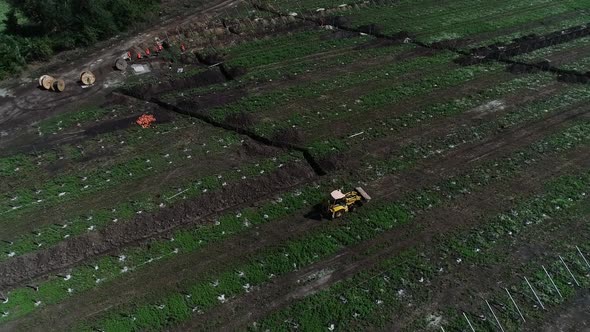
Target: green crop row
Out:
[581,65]
[362,226]
[509,20]
[436,19]
[370,298]
[379,98]
[18,168]
[410,154]
[82,183]
[283,48]
[396,124]
[82,278]
[540,29]
[296,66]
[273,100]
[72,119]
[95,220]
[543,53]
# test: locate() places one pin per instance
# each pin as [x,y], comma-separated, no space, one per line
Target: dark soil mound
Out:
[290,136]
[240,120]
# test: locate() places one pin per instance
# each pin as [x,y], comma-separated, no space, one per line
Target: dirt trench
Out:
[313,163]
[496,52]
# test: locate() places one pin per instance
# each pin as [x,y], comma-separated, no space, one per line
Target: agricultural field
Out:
[467,122]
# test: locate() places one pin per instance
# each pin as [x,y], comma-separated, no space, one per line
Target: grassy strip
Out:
[361,226]
[412,153]
[371,297]
[281,48]
[296,67]
[506,21]
[540,29]
[71,119]
[542,53]
[71,186]
[382,97]
[441,21]
[400,123]
[21,167]
[82,278]
[273,100]
[96,220]
[582,65]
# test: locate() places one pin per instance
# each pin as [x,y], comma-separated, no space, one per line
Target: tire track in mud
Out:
[461,214]
[426,174]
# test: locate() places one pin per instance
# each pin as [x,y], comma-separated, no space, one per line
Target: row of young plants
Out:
[377,99]
[536,275]
[361,226]
[371,299]
[79,183]
[275,99]
[507,21]
[21,167]
[395,124]
[292,67]
[580,65]
[73,119]
[443,21]
[55,289]
[50,235]
[291,46]
[580,17]
[510,19]
[547,52]
[411,153]
[100,152]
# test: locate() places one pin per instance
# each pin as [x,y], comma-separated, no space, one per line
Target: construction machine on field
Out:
[340,203]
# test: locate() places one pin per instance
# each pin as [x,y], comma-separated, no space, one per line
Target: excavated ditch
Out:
[496,52]
[315,165]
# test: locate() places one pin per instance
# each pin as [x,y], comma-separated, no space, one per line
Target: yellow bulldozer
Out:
[340,203]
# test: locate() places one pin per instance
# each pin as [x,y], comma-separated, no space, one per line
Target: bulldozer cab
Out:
[340,203]
[337,198]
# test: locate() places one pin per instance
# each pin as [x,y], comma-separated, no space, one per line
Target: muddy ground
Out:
[25,106]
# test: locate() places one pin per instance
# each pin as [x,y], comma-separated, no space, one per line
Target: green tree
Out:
[11,58]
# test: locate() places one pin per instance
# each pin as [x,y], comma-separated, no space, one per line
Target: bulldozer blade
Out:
[363,193]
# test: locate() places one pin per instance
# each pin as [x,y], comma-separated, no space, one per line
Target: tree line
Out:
[37,29]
